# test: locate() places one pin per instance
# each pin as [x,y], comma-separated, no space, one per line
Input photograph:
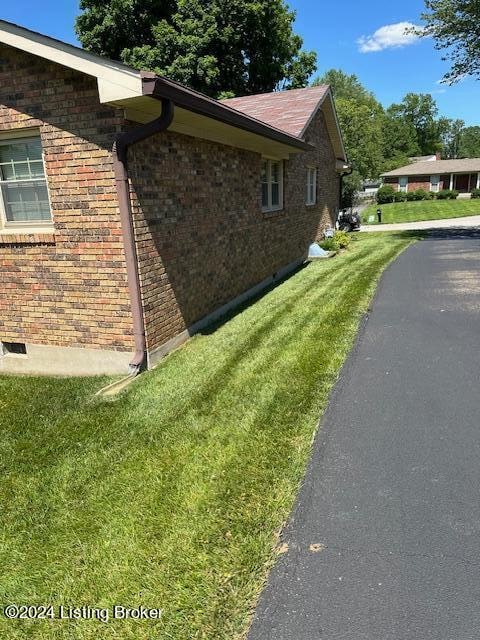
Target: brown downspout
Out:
[120,153]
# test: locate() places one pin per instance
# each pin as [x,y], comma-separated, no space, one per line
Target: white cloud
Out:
[391,36]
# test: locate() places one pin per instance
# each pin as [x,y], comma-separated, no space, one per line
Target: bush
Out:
[412,196]
[475,194]
[422,194]
[342,238]
[447,194]
[399,196]
[329,244]
[385,194]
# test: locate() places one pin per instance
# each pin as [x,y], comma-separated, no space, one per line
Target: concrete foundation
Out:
[65,361]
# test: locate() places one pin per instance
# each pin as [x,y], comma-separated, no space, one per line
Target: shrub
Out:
[447,194]
[422,194]
[399,196]
[475,194]
[385,194]
[342,238]
[330,244]
[412,195]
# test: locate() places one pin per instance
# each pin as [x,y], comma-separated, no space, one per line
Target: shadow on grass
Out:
[243,306]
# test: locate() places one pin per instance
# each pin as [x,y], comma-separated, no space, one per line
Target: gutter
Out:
[185,98]
[120,165]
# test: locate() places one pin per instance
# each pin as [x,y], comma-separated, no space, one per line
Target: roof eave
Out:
[190,100]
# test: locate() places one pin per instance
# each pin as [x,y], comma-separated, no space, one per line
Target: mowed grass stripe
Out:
[171,496]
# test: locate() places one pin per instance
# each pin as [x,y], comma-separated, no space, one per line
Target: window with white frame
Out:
[311,185]
[24,197]
[403,184]
[272,185]
[435,183]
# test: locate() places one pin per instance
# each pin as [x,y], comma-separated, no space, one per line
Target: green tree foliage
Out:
[419,111]
[455,26]
[219,47]
[470,143]
[360,116]
[109,27]
[451,132]
[399,139]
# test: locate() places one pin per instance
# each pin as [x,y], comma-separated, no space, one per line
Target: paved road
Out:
[468,222]
[392,492]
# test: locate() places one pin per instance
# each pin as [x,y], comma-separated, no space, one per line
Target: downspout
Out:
[120,157]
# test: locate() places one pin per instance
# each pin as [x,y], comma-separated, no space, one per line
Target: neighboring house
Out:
[461,175]
[108,249]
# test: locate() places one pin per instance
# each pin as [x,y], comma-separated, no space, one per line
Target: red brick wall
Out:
[418,182]
[202,236]
[66,289]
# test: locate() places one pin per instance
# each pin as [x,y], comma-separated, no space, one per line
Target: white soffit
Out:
[200,126]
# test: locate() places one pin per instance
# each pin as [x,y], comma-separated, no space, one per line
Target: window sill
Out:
[32,235]
[310,204]
[272,210]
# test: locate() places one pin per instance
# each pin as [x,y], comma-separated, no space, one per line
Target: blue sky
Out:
[333,29]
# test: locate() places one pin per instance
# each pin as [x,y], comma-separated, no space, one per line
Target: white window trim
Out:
[311,202]
[270,207]
[435,186]
[403,188]
[28,226]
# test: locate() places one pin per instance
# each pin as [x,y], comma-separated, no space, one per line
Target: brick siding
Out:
[202,237]
[67,288]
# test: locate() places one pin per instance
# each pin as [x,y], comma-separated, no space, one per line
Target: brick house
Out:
[133,211]
[435,174]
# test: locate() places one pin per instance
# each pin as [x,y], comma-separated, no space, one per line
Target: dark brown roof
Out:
[289,111]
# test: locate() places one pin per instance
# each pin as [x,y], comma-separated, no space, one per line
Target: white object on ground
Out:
[316,251]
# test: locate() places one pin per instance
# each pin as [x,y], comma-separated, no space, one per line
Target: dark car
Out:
[349,221]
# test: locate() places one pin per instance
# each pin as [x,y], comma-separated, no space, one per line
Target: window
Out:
[311,185]
[272,185]
[403,184]
[435,183]
[24,197]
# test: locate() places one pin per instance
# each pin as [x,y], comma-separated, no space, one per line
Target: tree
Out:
[451,132]
[360,116]
[347,87]
[419,112]
[219,47]
[109,27]
[455,26]
[470,143]
[399,139]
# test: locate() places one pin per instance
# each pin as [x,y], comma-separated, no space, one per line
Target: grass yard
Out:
[422,210]
[172,494]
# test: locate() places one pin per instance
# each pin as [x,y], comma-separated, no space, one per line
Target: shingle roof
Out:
[290,111]
[465,165]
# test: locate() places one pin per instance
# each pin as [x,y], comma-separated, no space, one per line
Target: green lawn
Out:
[171,495]
[423,210]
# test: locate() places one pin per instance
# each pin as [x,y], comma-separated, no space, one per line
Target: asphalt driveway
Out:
[384,542]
